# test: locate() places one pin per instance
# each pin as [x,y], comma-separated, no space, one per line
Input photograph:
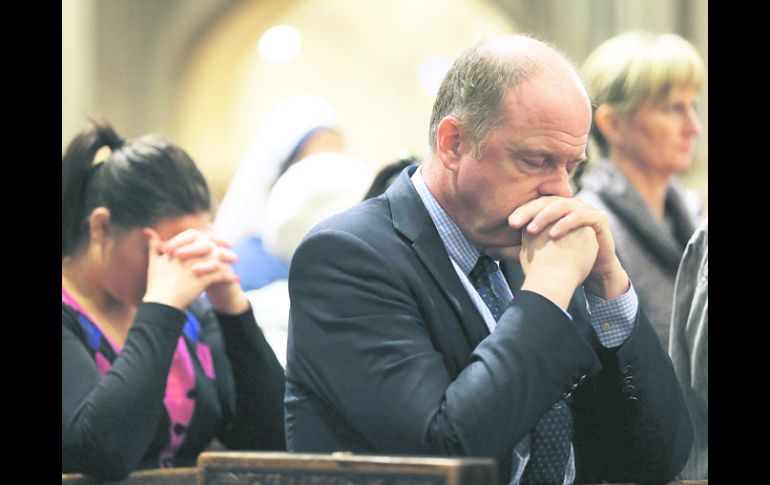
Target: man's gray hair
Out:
[475,86]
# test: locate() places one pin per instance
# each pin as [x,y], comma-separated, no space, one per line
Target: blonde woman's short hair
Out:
[635,67]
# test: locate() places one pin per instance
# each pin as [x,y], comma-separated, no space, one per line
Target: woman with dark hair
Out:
[160,350]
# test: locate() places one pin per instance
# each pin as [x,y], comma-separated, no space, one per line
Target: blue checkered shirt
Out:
[612,320]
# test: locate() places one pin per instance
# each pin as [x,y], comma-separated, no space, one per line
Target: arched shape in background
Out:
[362,57]
[189,70]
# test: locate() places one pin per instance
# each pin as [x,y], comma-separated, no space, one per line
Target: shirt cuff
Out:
[614,320]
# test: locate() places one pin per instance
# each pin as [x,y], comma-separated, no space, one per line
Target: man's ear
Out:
[608,123]
[99,225]
[448,137]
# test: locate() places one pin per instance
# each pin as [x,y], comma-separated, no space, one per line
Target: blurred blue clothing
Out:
[255,266]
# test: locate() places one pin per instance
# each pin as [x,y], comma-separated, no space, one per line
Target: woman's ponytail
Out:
[76,172]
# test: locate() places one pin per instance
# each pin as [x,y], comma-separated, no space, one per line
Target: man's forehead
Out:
[551,86]
[548,104]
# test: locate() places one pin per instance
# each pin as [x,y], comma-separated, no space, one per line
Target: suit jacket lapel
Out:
[411,219]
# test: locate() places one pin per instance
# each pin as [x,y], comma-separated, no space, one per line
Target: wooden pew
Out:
[674,482]
[232,468]
[170,476]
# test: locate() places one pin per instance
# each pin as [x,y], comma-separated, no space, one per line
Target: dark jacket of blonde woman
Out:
[649,249]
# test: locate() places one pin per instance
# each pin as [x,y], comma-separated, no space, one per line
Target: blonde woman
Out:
[644,88]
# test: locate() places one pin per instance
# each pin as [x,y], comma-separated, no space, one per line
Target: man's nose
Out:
[557,185]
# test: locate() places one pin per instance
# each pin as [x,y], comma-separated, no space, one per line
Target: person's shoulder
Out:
[365,220]
[69,316]
[702,233]
[699,243]
[363,231]
[70,324]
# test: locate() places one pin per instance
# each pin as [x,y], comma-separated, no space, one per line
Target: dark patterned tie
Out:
[552,436]
[481,279]
[549,453]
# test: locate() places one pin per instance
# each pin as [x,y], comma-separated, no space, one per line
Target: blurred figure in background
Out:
[689,345]
[151,371]
[297,127]
[311,190]
[644,89]
[388,174]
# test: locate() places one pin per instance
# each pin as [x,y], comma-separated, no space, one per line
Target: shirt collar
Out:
[457,245]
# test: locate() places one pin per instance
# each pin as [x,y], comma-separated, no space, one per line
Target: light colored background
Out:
[190,70]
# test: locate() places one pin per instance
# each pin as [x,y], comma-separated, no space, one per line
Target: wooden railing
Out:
[169,476]
[229,468]
[235,468]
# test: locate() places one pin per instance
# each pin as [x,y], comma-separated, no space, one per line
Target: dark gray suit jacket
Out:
[387,354]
